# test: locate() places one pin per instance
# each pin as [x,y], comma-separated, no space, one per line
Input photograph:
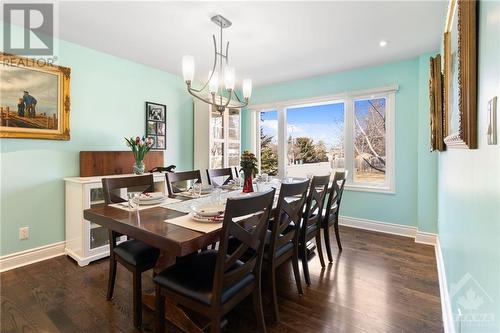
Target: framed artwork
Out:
[34,99]
[156,124]
[460,75]
[436,104]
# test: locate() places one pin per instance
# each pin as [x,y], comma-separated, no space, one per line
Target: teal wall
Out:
[411,113]
[469,192]
[107,103]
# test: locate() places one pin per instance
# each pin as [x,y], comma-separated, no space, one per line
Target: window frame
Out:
[348,98]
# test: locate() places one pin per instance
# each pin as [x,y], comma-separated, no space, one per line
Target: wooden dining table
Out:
[173,241]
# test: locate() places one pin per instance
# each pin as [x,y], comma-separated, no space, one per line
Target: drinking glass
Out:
[215,197]
[265,177]
[197,189]
[133,200]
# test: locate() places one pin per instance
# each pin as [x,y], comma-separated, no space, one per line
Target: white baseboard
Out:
[425,238]
[387,228]
[447,313]
[31,256]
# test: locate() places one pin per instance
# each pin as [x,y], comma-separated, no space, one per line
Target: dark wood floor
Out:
[379,283]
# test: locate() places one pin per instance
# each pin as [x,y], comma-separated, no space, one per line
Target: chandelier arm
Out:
[227,53]
[198,97]
[229,98]
[242,103]
[213,68]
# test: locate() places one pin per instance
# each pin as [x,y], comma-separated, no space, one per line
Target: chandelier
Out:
[218,90]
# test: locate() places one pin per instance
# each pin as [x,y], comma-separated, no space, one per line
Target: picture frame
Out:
[156,124]
[34,99]
[436,104]
[460,75]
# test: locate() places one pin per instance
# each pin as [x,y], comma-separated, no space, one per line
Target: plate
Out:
[150,202]
[205,219]
[152,196]
[209,209]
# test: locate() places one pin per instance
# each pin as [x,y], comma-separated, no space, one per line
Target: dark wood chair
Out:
[218,177]
[311,221]
[213,282]
[331,212]
[173,178]
[134,255]
[282,242]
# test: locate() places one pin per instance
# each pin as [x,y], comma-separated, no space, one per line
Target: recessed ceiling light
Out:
[382,43]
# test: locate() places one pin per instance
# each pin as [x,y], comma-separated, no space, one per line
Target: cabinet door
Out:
[233,138]
[217,140]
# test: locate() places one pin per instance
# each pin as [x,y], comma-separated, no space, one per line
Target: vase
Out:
[247,185]
[139,168]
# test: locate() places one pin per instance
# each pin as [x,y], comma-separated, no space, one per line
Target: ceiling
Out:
[269,41]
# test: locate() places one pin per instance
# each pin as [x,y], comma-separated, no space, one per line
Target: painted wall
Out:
[108,97]
[469,195]
[411,113]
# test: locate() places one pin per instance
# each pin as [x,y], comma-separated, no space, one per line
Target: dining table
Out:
[151,226]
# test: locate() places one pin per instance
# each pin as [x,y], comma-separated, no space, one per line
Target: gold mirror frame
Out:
[63,103]
[466,137]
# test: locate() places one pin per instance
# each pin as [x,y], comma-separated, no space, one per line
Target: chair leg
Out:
[137,298]
[296,273]
[112,277]
[305,266]
[215,325]
[337,234]
[320,249]
[257,308]
[159,311]
[274,294]
[326,236]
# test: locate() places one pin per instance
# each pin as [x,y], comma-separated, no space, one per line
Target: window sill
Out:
[367,188]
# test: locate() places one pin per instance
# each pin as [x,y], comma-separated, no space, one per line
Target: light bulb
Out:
[229,78]
[213,84]
[188,68]
[247,88]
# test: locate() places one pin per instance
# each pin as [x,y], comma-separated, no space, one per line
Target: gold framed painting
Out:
[436,103]
[34,99]
[460,75]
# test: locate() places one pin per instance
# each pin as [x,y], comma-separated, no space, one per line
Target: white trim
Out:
[447,313]
[31,256]
[425,238]
[325,98]
[387,228]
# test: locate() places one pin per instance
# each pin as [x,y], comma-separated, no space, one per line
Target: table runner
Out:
[124,205]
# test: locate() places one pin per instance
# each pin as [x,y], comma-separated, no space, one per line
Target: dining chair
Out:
[282,241]
[134,255]
[212,282]
[311,221]
[331,212]
[218,177]
[174,177]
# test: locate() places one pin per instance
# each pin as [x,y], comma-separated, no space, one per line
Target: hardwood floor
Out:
[379,283]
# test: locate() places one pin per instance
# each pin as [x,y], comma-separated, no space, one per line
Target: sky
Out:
[319,122]
[42,86]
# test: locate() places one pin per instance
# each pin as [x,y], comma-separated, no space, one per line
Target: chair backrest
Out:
[335,192]
[245,219]
[219,177]
[289,208]
[236,172]
[111,187]
[315,201]
[174,177]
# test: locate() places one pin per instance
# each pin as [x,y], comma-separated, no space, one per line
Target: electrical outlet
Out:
[24,233]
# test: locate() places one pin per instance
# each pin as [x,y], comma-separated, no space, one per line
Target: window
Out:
[352,131]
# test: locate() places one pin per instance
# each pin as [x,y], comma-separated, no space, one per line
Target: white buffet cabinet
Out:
[85,241]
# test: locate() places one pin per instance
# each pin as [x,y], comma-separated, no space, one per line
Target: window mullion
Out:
[348,139]
[282,142]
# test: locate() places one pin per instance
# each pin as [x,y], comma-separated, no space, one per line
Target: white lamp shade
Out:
[247,88]
[188,68]
[229,78]
[213,84]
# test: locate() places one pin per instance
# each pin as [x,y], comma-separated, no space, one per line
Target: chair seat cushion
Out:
[137,253]
[193,277]
[280,250]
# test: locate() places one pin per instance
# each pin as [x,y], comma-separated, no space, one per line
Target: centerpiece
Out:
[248,165]
[140,148]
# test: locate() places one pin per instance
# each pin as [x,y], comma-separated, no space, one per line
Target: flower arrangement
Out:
[140,148]
[248,164]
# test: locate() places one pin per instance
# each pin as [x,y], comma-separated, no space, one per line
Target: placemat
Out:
[124,205]
[187,222]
